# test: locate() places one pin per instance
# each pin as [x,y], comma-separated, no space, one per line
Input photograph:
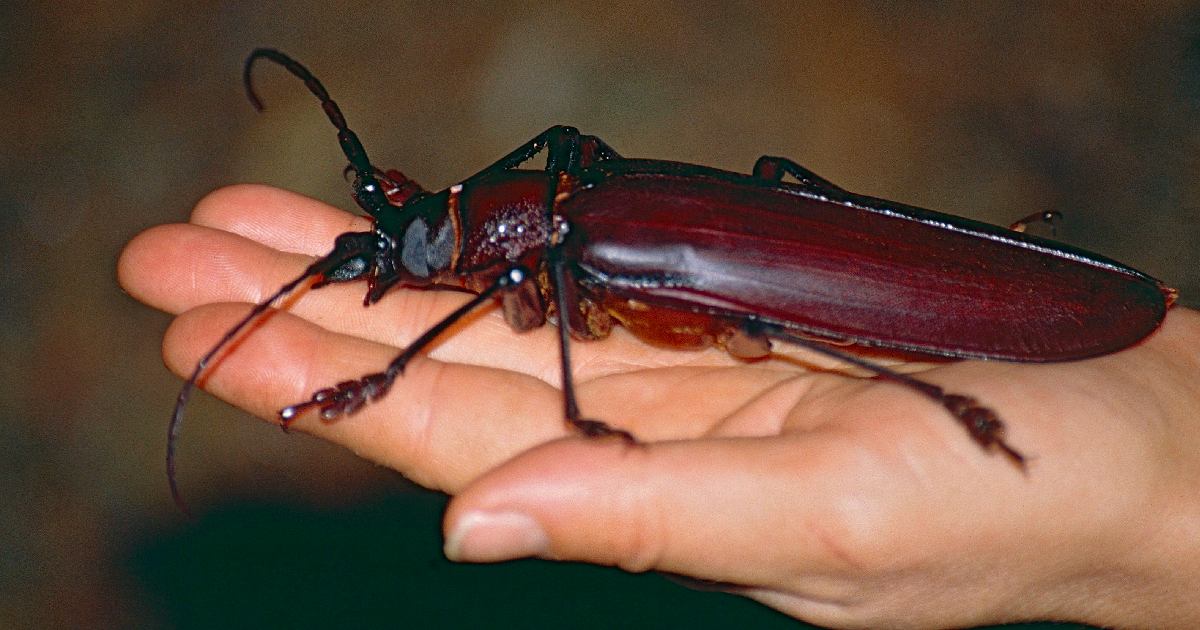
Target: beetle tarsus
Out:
[1013,455]
[598,428]
[345,398]
[982,423]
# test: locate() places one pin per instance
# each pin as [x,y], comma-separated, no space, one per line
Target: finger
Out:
[277,218]
[747,511]
[814,524]
[444,412]
[441,424]
[178,267]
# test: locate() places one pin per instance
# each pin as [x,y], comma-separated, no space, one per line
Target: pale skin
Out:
[844,501]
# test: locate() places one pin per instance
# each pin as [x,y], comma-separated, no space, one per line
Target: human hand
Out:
[843,501]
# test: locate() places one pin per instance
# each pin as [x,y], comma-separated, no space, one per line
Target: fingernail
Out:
[495,536]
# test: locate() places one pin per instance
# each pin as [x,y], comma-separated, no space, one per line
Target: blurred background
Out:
[118,117]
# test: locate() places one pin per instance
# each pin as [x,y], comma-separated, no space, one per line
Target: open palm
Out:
[842,500]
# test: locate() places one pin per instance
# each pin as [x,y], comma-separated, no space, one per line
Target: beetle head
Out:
[415,244]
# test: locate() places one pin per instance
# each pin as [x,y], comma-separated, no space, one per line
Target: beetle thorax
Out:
[504,221]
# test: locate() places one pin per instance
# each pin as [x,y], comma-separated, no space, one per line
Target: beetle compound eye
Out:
[352,269]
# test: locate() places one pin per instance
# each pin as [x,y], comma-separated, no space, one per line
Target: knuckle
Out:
[642,519]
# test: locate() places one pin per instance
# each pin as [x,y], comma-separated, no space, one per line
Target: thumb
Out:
[747,510]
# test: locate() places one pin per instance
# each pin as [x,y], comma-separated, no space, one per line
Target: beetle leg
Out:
[773,169]
[593,149]
[747,345]
[592,428]
[522,306]
[984,426]
[568,151]
[1049,217]
[349,396]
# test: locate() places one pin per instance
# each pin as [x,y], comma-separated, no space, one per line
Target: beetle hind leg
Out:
[983,424]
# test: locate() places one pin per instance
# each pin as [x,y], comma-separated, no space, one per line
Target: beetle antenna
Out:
[186,392]
[367,190]
[347,248]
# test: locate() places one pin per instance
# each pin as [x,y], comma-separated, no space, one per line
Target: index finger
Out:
[279,219]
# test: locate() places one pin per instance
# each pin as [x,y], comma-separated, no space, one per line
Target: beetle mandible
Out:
[690,256]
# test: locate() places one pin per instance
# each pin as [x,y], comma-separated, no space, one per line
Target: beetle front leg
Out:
[348,397]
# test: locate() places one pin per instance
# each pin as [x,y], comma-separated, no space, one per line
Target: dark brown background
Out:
[119,118]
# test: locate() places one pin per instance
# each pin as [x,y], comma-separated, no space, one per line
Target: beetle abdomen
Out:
[894,276]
